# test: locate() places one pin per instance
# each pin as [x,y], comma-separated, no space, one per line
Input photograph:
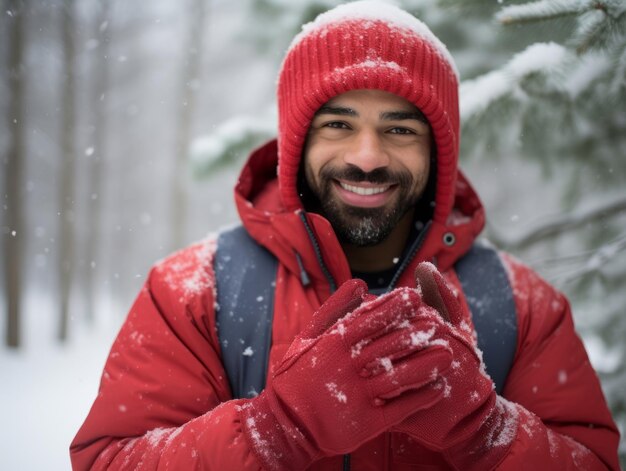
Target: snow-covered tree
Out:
[562,105]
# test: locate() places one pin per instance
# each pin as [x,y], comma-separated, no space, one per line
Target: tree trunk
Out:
[12,233]
[189,87]
[66,251]
[97,158]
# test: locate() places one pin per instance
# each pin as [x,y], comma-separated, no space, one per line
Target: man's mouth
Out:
[365,191]
[364,194]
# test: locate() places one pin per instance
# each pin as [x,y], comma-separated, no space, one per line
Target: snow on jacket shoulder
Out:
[163,401]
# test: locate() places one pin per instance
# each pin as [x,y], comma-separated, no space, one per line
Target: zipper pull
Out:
[304,276]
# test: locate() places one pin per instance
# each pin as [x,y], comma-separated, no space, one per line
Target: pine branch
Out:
[478,94]
[230,142]
[572,272]
[596,19]
[543,10]
[591,26]
[614,8]
[619,78]
[567,259]
[594,264]
[560,224]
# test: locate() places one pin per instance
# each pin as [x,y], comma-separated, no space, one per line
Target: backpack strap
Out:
[489,296]
[245,275]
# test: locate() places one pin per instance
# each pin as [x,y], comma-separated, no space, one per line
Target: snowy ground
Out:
[48,389]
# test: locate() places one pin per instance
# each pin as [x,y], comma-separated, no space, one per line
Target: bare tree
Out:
[66,251]
[189,86]
[101,78]
[13,234]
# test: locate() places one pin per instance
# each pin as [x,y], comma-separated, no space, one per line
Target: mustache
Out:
[355,174]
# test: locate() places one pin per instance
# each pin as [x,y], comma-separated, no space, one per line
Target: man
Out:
[367,187]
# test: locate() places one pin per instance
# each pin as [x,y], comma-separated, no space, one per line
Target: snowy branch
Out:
[603,255]
[589,29]
[595,18]
[543,10]
[560,224]
[230,142]
[479,94]
[619,78]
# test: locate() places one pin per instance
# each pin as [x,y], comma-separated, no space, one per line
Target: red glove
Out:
[349,376]
[471,425]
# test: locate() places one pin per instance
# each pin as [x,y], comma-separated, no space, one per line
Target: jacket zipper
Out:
[331,282]
[417,244]
[318,253]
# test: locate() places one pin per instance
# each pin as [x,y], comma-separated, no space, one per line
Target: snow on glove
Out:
[350,375]
[471,425]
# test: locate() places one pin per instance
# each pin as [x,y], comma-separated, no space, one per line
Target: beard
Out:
[364,227]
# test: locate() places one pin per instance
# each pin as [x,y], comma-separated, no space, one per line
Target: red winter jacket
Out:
[164,400]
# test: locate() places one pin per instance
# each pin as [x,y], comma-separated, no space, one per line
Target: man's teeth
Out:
[364,191]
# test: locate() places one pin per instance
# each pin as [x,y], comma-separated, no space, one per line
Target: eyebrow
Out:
[337,110]
[385,116]
[402,115]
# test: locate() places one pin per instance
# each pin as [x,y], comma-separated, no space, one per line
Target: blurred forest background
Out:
[125,123]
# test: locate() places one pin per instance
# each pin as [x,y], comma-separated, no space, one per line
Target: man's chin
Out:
[368,227]
[366,232]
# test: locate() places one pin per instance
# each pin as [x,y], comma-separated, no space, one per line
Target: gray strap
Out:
[245,276]
[490,298]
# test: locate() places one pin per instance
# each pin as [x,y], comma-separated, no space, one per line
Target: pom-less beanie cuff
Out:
[367,45]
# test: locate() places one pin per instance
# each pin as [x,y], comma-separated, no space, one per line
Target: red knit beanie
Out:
[367,45]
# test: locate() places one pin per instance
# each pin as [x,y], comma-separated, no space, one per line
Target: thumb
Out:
[346,299]
[436,292]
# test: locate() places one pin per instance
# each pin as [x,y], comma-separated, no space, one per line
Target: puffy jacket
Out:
[164,400]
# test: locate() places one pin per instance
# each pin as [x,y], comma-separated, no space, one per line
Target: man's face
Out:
[367,159]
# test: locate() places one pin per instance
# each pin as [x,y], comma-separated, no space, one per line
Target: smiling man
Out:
[366,163]
[392,339]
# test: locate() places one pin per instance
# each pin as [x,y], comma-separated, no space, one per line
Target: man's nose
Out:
[367,151]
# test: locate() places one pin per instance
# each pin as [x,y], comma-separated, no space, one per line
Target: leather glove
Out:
[349,376]
[471,425]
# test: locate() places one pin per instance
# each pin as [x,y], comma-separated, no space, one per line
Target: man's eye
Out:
[400,131]
[336,125]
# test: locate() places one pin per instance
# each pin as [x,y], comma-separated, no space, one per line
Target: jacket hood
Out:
[368,45]
[306,241]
